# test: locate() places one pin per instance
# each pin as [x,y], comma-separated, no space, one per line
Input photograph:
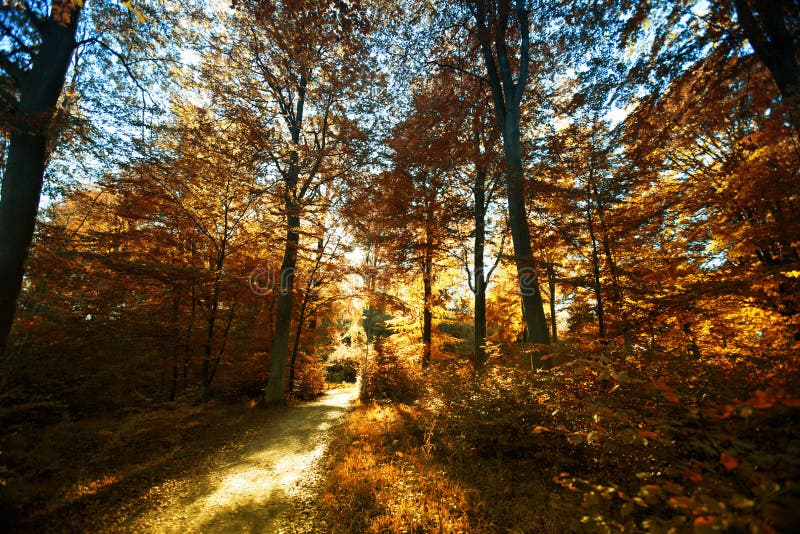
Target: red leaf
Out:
[761,400]
[728,461]
[697,478]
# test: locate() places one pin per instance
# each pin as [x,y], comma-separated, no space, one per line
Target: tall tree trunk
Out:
[520,234]
[492,21]
[479,192]
[276,386]
[28,151]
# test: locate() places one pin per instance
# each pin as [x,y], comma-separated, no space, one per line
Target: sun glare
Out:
[355,256]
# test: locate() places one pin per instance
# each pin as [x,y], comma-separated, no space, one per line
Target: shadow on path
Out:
[250,489]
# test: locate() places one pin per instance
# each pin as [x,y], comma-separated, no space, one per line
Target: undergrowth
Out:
[603,442]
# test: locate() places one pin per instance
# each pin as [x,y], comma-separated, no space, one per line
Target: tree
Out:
[294,64]
[34,70]
[498,25]
[772,27]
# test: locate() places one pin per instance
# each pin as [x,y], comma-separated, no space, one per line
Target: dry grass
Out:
[384,476]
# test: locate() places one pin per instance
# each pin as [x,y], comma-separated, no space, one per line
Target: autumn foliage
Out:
[554,243]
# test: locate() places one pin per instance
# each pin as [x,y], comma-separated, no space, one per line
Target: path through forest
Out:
[267,486]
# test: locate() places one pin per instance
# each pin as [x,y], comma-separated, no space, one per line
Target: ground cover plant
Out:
[603,442]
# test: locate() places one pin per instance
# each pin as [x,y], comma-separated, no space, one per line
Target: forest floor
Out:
[247,478]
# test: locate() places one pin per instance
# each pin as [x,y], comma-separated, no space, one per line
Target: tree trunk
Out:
[307,295]
[176,341]
[492,24]
[773,42]
[207,348]
[276,386]
[598,290]
[480,280]
[520,233]
[616,288]
[28,151]
[427,314]
[551,284]
[187,348]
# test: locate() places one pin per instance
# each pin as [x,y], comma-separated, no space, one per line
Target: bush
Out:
[343,364]
[309,377]
[390,375]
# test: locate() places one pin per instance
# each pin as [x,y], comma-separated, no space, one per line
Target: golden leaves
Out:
[132,8]
[62,11]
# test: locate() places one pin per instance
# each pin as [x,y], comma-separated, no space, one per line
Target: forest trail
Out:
[265,487]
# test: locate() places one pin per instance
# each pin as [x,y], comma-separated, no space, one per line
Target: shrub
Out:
[343,364]
[309,377]
[391,375]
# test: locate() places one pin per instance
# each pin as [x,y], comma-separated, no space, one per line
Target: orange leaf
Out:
[761,400]
[697,478]
[647,434]
[658,384]
[728,461]
[791,403]
[704,520]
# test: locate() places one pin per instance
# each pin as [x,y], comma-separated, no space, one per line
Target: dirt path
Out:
[266,486]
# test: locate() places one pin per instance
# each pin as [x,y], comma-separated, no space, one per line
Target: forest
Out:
[532,265]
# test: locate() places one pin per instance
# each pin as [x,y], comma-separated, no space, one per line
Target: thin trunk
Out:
[480,280]
[598,290]
[427,282]
[187,348]
[296,348]
[616,288]
[176,341]
[208,346]
[551,283]
[223,343]
[28,151]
